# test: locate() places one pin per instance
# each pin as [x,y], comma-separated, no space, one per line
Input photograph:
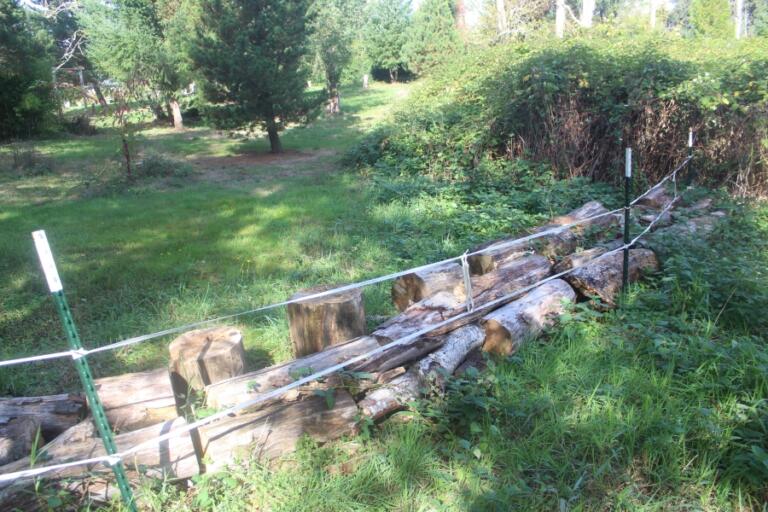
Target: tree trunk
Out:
[275,146]
[560,19]
[137,400]
[416,286]
[248,386]
[55,413]
[512,276]
[99,95]
[587,13]
[17,436]
[365,81]
[334,99]
[739,18]
[318,323]
[501,17]
[603,277]
[178,120]
[127,157]
[654,6]
[508,327]
[203,357]
[161,116]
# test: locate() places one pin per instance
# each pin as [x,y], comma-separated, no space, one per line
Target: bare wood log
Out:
[512,275]
[205,356]
[267,434]
[390,398]
[657,198]
[55,413]
[578,259]
[414,287]
[552,245]
[245,387]
[17,437]
[508,327]
[603,277]
[433,369]
[318,323]
[137,400]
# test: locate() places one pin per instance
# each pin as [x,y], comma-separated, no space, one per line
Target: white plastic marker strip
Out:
[628,163]
[46,260]
[298,383]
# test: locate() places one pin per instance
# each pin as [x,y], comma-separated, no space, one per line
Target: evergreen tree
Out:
[26,100]
[250,53]
[334,30]
[711,18]
[385,34]
[431,35]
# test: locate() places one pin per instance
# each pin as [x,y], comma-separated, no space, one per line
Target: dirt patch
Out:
[285,159]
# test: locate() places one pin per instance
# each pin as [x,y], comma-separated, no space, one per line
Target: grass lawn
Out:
[658,405]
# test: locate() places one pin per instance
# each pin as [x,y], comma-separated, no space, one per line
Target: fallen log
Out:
[578,259]
[265,435]
[247,386]
[137,400]
[551,245]
[318,323]
[658,199]
[429,373]
[55,413]
[417,286]
[512,275]
[508,327]
[17,437]
[603,277]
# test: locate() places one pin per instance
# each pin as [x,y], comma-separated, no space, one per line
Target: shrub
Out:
[27,162]
[154,165]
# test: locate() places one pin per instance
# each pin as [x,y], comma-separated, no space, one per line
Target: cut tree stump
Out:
[16,438]
[318,323]
[55,413]
[137,400]
[508,327]
[247,386]
[203,357]
[416,286]
[603,277]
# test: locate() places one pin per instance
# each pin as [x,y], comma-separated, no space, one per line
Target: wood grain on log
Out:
[586,211]
[657,198]
[17,437]
[603,277]
[578,259]
[137,400]
[417,286]
[385,400]
[508,327]
[205,356]
[55,413]
[433,369]
[512,275]
[318,323]
[245,387]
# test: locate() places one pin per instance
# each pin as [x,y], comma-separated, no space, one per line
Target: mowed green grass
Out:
[157,256]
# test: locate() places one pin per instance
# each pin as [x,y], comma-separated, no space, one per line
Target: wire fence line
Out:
[461,259]
[118,457]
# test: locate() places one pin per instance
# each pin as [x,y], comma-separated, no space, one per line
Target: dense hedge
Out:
[577,103]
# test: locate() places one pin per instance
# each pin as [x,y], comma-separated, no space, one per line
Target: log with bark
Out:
[55,413]
[510,276]
[17,437]
[318,323]
[427,374]
[137,400]
[581,258]
[247,386]
[551,245]
[658,199]
[508,327]
[417,286]
[603,277]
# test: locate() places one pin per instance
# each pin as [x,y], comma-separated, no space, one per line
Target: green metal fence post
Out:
[627,193]
[83,369]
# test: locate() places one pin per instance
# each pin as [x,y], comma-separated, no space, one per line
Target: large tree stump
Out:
[137,400]
[203,357]
[318,323]
[508,327]
[16,438]
[55,413]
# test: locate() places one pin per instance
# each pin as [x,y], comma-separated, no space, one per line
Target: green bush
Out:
[154,165]
[577,104]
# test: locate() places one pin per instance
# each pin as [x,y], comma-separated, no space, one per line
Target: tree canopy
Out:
[431,35]
[385,34]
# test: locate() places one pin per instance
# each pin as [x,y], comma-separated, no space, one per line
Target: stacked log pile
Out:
[209,365]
